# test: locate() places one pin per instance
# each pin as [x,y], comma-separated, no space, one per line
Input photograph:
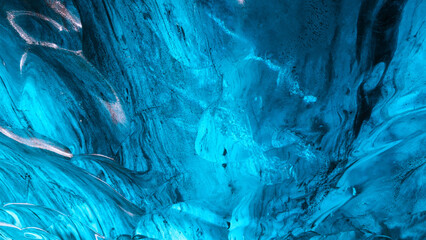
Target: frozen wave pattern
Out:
[199,119]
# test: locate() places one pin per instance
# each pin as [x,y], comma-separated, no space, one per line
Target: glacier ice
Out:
[201,119]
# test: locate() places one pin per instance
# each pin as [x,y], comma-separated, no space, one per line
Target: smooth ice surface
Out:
[202,119]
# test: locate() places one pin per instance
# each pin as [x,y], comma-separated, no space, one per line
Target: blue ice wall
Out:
[199,119]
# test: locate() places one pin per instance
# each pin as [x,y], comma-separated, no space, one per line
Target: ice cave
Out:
[212,119]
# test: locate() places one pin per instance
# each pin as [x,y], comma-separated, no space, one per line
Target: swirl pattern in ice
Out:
[199,119]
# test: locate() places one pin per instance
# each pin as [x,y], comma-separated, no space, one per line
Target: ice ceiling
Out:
[198,119]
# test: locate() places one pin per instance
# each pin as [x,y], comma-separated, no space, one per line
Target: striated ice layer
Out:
[198,119]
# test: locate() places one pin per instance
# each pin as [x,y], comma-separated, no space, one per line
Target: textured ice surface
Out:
[227,119]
